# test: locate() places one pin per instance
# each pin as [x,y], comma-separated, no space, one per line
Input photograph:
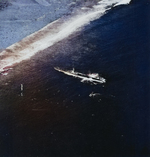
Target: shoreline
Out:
[20,19]
[49,35]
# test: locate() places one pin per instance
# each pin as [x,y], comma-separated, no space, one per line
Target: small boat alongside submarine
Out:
[91,77]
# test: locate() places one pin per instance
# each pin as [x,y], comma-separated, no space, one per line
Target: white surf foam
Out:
[51,34]
[123,2]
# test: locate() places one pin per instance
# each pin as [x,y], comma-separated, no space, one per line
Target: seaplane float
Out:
[93,78]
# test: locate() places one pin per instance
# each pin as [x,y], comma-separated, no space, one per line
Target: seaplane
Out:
[91,77]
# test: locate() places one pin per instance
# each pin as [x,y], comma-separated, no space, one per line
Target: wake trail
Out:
[52,33]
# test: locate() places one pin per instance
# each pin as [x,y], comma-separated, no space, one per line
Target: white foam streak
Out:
[46,40]
[123,2]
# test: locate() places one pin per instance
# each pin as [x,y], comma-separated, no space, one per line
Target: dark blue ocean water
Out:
[56,117]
